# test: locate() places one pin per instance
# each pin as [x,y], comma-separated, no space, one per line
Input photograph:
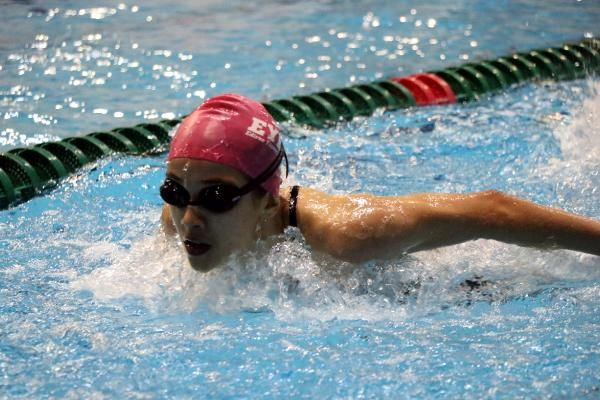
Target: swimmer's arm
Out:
[166,222]
[363,227]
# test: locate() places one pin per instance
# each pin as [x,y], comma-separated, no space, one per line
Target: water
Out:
[94,302]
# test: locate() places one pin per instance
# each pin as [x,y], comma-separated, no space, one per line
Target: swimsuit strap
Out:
[293,203]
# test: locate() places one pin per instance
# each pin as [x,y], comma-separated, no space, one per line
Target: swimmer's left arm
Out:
[363,227]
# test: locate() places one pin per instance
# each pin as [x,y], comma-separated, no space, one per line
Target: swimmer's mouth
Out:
[194,248]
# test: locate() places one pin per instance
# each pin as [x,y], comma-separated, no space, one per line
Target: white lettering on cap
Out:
[263,131]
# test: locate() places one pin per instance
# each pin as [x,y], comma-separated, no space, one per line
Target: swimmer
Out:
[222,194]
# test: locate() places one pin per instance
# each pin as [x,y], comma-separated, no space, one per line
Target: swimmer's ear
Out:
[166,221]
[271,207]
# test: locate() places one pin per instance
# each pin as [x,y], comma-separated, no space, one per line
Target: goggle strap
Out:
[263,176]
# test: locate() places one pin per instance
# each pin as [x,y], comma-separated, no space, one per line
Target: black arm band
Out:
[293,202]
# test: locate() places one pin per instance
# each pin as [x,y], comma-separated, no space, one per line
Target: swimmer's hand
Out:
[363,227]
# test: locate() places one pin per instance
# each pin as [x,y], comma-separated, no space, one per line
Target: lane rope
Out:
[27,172]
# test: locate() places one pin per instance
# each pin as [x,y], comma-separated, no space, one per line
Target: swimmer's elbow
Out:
[495,199]
[496,210]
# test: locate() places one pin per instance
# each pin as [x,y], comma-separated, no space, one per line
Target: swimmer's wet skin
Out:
[231,142]
[361,227]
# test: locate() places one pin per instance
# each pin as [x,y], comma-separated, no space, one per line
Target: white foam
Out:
[291,282]
[579,140]
[576,174]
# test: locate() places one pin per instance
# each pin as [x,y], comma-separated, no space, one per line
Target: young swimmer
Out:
[222,194]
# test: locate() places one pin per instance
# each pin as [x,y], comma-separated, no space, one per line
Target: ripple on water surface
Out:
[96,303]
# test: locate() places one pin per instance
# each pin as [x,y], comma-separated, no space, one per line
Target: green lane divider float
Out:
[25,172]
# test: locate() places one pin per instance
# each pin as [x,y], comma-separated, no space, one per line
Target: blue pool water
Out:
[95,303]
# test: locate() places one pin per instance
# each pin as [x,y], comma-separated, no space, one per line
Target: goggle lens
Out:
[219,198]
[216,198]
[174,194]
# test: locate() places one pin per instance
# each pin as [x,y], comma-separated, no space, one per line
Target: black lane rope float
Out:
[26,172]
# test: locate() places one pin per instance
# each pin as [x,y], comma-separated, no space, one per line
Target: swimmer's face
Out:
[210,237]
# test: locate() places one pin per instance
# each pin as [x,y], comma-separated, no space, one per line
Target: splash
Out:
[287,279]
[579,138]
[576,174]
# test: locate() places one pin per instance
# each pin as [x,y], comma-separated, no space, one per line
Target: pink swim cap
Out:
[232,130]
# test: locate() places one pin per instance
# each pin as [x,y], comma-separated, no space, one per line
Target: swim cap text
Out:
[265,132]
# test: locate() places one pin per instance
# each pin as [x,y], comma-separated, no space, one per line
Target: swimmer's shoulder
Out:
[300,200]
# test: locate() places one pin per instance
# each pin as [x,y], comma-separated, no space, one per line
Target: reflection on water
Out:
[112,293]
[94,302]
[90,284]
[73,68]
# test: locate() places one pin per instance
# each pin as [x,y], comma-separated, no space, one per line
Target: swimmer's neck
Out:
[278,221]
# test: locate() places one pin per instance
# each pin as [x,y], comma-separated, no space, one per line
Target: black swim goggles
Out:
[221,197]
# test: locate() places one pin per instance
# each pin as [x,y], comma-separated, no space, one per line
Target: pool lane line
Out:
[570,61]
[26,172]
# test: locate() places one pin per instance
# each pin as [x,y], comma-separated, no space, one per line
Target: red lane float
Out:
[428,89]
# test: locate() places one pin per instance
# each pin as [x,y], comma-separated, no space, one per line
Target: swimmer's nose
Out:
[193,217]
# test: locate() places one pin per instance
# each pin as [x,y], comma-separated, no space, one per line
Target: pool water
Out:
[96,303]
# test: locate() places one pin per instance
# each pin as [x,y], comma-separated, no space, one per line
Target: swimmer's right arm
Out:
[364,227]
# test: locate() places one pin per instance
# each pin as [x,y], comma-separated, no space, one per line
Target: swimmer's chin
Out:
[201,267]
[204,264]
